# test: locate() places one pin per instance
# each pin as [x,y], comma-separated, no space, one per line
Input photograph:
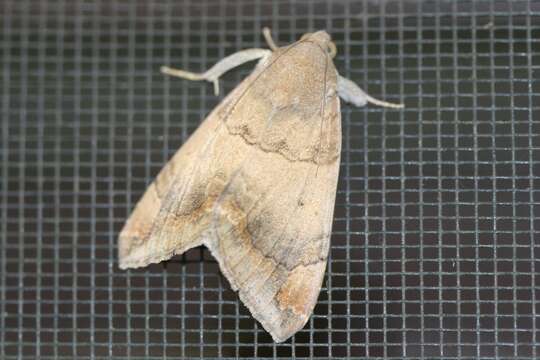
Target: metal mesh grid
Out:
[435,246]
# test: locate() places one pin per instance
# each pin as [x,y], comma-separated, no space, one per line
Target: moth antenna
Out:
[268,37]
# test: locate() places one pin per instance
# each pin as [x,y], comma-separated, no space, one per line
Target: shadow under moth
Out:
[256,182]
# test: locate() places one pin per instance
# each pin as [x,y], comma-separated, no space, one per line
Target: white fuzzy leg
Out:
[351,93]
[221,67]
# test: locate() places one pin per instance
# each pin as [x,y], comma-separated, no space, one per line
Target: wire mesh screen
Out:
[435,245]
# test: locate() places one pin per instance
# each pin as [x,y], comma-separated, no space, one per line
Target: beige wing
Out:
[270,233]
[256,184]
[136,247]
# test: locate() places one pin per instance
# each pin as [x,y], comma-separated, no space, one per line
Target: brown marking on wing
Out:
[301,289]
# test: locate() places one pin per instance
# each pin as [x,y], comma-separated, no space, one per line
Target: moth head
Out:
[322,39]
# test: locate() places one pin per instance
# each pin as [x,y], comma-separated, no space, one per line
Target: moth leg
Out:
[221,67]
[351,93]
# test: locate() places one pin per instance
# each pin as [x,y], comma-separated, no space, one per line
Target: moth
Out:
[256,182]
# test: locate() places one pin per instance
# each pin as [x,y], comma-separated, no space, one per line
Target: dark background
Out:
[435,250]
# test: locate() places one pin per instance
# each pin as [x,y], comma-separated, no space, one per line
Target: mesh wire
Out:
[435,245]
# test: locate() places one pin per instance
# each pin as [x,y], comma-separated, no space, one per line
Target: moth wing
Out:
[271,238]
[271,224]
[140,241]
[136,248]
[256,184]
